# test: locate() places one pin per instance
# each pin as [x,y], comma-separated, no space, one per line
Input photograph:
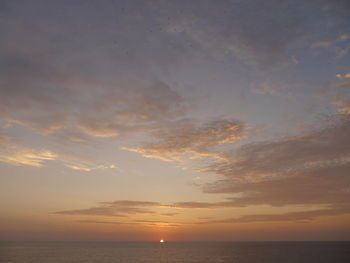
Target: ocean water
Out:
[171,252]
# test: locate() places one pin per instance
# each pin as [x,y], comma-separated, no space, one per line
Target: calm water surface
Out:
[201,252]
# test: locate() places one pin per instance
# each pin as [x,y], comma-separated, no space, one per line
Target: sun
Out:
[161,241]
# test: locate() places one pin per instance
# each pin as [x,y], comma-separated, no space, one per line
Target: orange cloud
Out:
[196,141]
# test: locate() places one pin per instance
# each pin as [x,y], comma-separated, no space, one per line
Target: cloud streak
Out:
[26,156]
[14,152]
[126,208]
[196,141]
[302,216]
[309,169]
[120,208]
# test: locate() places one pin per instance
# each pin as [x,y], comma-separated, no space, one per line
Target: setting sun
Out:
[161,241]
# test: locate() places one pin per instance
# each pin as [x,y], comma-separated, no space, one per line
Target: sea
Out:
[175,252]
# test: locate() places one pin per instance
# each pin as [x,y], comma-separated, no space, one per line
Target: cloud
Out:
[302,216]
[324,44]
[343,105]
[104,113]
[105,222]
[169,214]
[195,140]
[14,152]
[275,88]
[79,80]
[133,222]
[125,208]
[131,203]
[170,31]
[340,93]
[339,45]
[26,156]
[95,211]
[120,208]
[308,169]
[329,43]
[260,35]
[265,89]
[83,80]
[344,76]
[91,168]
[160,223]
[200,205]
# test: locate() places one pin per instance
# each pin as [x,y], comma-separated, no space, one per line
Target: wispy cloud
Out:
[106,113]
[51,81]
[239,29]
[135,222]
[340,93]
[15,152]
[302,216]
[90,168]
[335,45]
[194,140]
[120,208]
[306,169]
[26,156]
[125,208]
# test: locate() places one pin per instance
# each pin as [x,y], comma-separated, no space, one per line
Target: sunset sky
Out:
[175,120]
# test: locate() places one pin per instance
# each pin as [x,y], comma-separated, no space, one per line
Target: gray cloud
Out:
[94,211]
[307,169]
[75,76]
[134,222]
[104,222]
[123,208]
[66,71]
[257,32]
[107,112]
[302,216]
[131,203]
[120,208]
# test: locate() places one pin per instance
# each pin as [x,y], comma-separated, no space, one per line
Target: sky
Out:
[175,120]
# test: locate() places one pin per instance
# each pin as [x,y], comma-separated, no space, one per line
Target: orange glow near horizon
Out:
[223,123]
